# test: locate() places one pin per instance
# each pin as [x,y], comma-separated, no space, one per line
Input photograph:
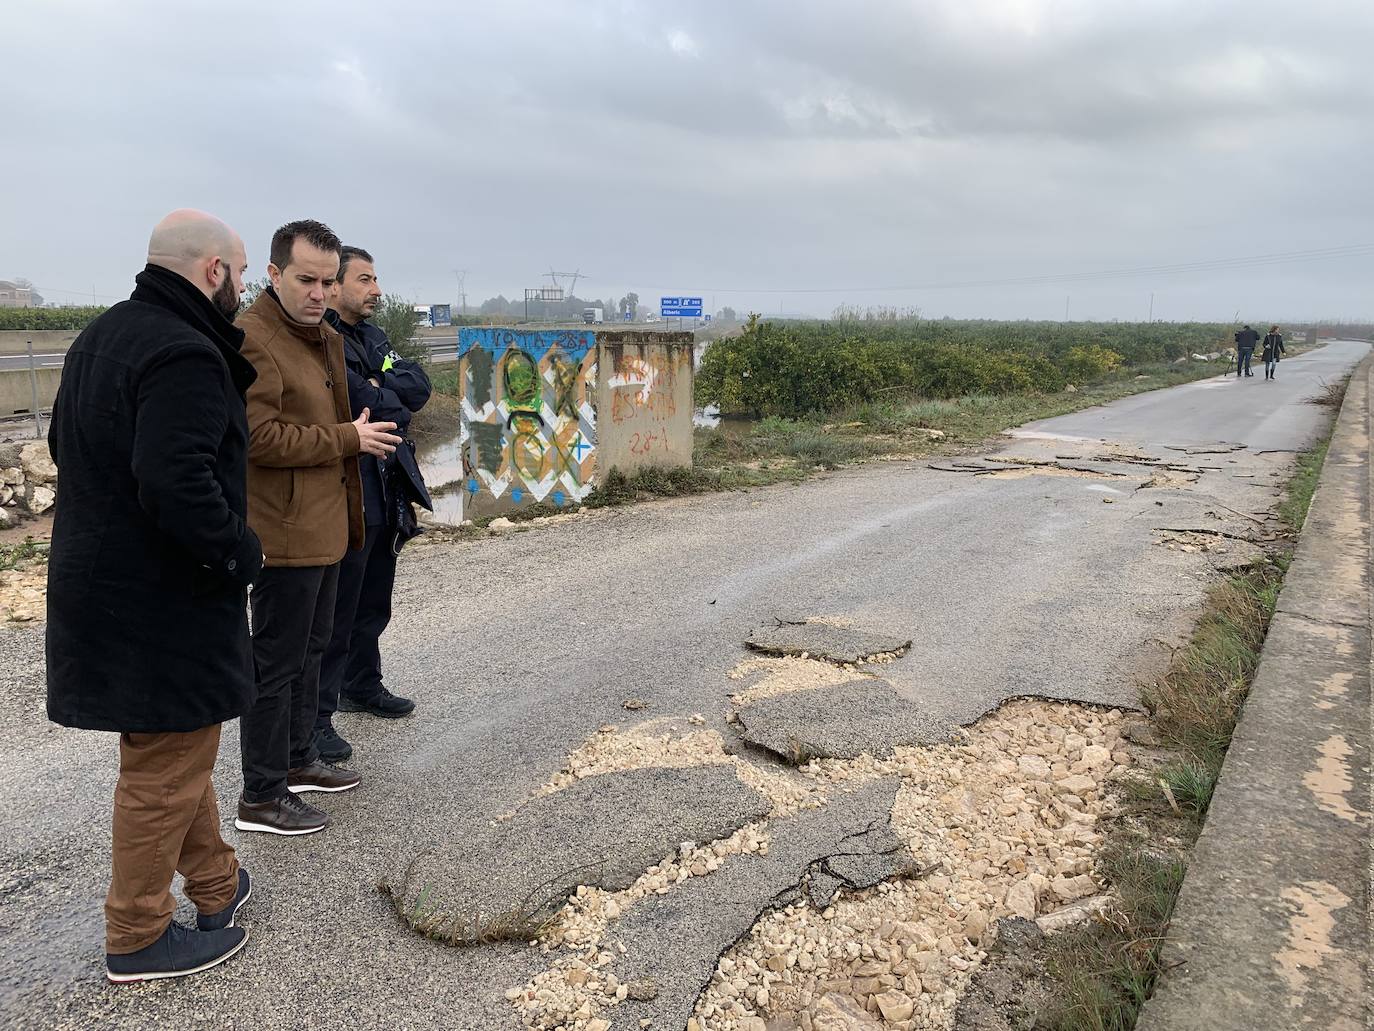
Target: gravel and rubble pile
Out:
[663,743]
[24,592]
[576,990]
[1002,822]
[775,675]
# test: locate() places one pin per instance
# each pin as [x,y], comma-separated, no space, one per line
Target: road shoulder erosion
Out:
[1272,925]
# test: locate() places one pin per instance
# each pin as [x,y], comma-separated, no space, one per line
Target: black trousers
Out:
[293,613]
[353,660]
[1243,356]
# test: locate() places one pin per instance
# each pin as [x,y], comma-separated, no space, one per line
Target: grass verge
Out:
[1104,972]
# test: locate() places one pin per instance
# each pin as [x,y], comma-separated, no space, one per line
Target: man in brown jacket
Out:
[305,503]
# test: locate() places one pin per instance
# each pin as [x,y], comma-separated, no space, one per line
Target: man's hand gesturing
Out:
[375,438]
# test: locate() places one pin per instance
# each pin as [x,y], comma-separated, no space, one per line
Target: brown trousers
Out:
[166,821]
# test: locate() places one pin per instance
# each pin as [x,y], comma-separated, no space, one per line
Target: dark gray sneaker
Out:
[285,815]
[331,746]
[225,917]
[384,704]
[321,776]
[180,951]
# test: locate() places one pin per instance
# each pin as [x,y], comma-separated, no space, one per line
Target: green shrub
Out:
[37,319]
[799,369]
[1084,364]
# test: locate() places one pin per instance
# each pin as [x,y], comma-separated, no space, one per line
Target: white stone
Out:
[1021,900]
[839,1013]
[1097,757]
[895,1006]
[1078,784]
[1033,766]
[37,462]
[1073,914]
[40,500]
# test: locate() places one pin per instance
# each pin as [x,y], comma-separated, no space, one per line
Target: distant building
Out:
[12,295]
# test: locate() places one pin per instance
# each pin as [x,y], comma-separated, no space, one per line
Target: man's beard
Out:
[226,299]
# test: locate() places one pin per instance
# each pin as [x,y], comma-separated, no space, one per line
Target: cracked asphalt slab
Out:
[840,722]
[675,939]
[521,872]
[517,648]
[844,645]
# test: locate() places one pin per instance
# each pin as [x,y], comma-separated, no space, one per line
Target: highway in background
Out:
[441,349]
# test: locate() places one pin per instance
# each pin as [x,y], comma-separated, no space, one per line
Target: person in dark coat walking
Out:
[393,389]
[1246,339]
[1273,347]
[148,573]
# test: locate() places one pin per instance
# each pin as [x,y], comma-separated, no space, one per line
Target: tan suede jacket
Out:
[305,499]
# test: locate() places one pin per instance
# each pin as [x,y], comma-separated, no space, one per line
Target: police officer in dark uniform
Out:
[393,389]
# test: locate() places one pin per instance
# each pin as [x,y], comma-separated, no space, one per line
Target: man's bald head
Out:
[204,251]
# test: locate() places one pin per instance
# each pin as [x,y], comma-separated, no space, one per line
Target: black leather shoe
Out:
[285,815]
[321,776]
[331,747]
[225,917]
[180,951]
[386,705]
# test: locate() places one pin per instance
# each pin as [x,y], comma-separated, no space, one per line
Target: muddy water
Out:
[441,461]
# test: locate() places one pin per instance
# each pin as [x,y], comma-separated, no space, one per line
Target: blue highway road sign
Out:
[679,307]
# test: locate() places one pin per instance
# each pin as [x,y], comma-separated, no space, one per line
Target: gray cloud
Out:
[731,146]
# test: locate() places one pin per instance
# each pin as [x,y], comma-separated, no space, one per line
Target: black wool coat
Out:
[151,552]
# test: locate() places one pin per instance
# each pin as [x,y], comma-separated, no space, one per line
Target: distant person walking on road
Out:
[305,502]
[1273,347]
[147,584]
[393,389]
[1246,339]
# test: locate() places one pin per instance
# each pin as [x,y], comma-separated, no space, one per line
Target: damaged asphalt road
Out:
[518,648]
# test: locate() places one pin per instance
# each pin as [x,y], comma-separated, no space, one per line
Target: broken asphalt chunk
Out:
[823,641]
[839,722]
[603,831]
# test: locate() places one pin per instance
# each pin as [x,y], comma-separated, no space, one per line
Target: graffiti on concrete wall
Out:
[644,395]
[528,415]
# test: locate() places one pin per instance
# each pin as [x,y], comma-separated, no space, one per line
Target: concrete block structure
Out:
[546,414]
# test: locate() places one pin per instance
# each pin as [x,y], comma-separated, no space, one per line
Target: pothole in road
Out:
[663,744]
[998,823]
[1005,818]
[776,675]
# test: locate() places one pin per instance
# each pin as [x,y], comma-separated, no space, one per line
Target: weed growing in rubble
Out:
[1107,969]
[1197,701]
[1187,786]
[14,555]
[1293,508]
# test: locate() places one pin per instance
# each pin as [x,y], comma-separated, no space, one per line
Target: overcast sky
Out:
[860,152]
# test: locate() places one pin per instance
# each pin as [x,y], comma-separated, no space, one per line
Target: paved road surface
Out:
[1015,582]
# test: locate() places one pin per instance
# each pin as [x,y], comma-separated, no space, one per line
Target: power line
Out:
[1236,263]
[1177,268]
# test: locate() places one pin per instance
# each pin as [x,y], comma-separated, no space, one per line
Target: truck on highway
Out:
[593,316]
